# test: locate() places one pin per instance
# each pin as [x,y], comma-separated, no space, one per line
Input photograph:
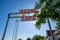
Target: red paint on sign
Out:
[28,18]
[27,11]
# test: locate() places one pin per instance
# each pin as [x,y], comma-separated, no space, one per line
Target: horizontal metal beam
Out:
[13,13]
[15,17]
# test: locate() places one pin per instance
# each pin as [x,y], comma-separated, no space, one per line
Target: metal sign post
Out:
[5,27]
[23,18]
[9,16]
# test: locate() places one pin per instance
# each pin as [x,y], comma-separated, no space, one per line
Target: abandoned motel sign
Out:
[27,12]
[23,17]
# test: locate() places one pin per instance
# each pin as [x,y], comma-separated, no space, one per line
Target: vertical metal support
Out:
[16,31]
[14,37]
[5,27]
[50,29]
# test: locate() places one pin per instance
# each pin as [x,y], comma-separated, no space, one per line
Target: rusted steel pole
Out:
[4,33]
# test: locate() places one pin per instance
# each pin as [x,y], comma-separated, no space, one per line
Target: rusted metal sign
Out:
[27,11]
[28,18]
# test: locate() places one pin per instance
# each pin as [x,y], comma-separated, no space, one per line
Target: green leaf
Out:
[49,10]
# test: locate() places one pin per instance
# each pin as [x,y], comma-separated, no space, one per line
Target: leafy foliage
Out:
[58,25]
[28,38]
[48,9]
[19,39]
[37,37]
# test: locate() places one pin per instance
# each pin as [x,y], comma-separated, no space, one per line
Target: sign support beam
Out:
[4,33]
[5,28]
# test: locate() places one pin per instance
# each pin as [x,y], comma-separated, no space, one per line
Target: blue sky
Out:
[26,29]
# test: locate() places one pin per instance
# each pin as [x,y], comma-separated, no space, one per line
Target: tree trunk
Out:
[50,29]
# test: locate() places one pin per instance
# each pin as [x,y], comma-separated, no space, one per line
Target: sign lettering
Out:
[28,18]
[27,11]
